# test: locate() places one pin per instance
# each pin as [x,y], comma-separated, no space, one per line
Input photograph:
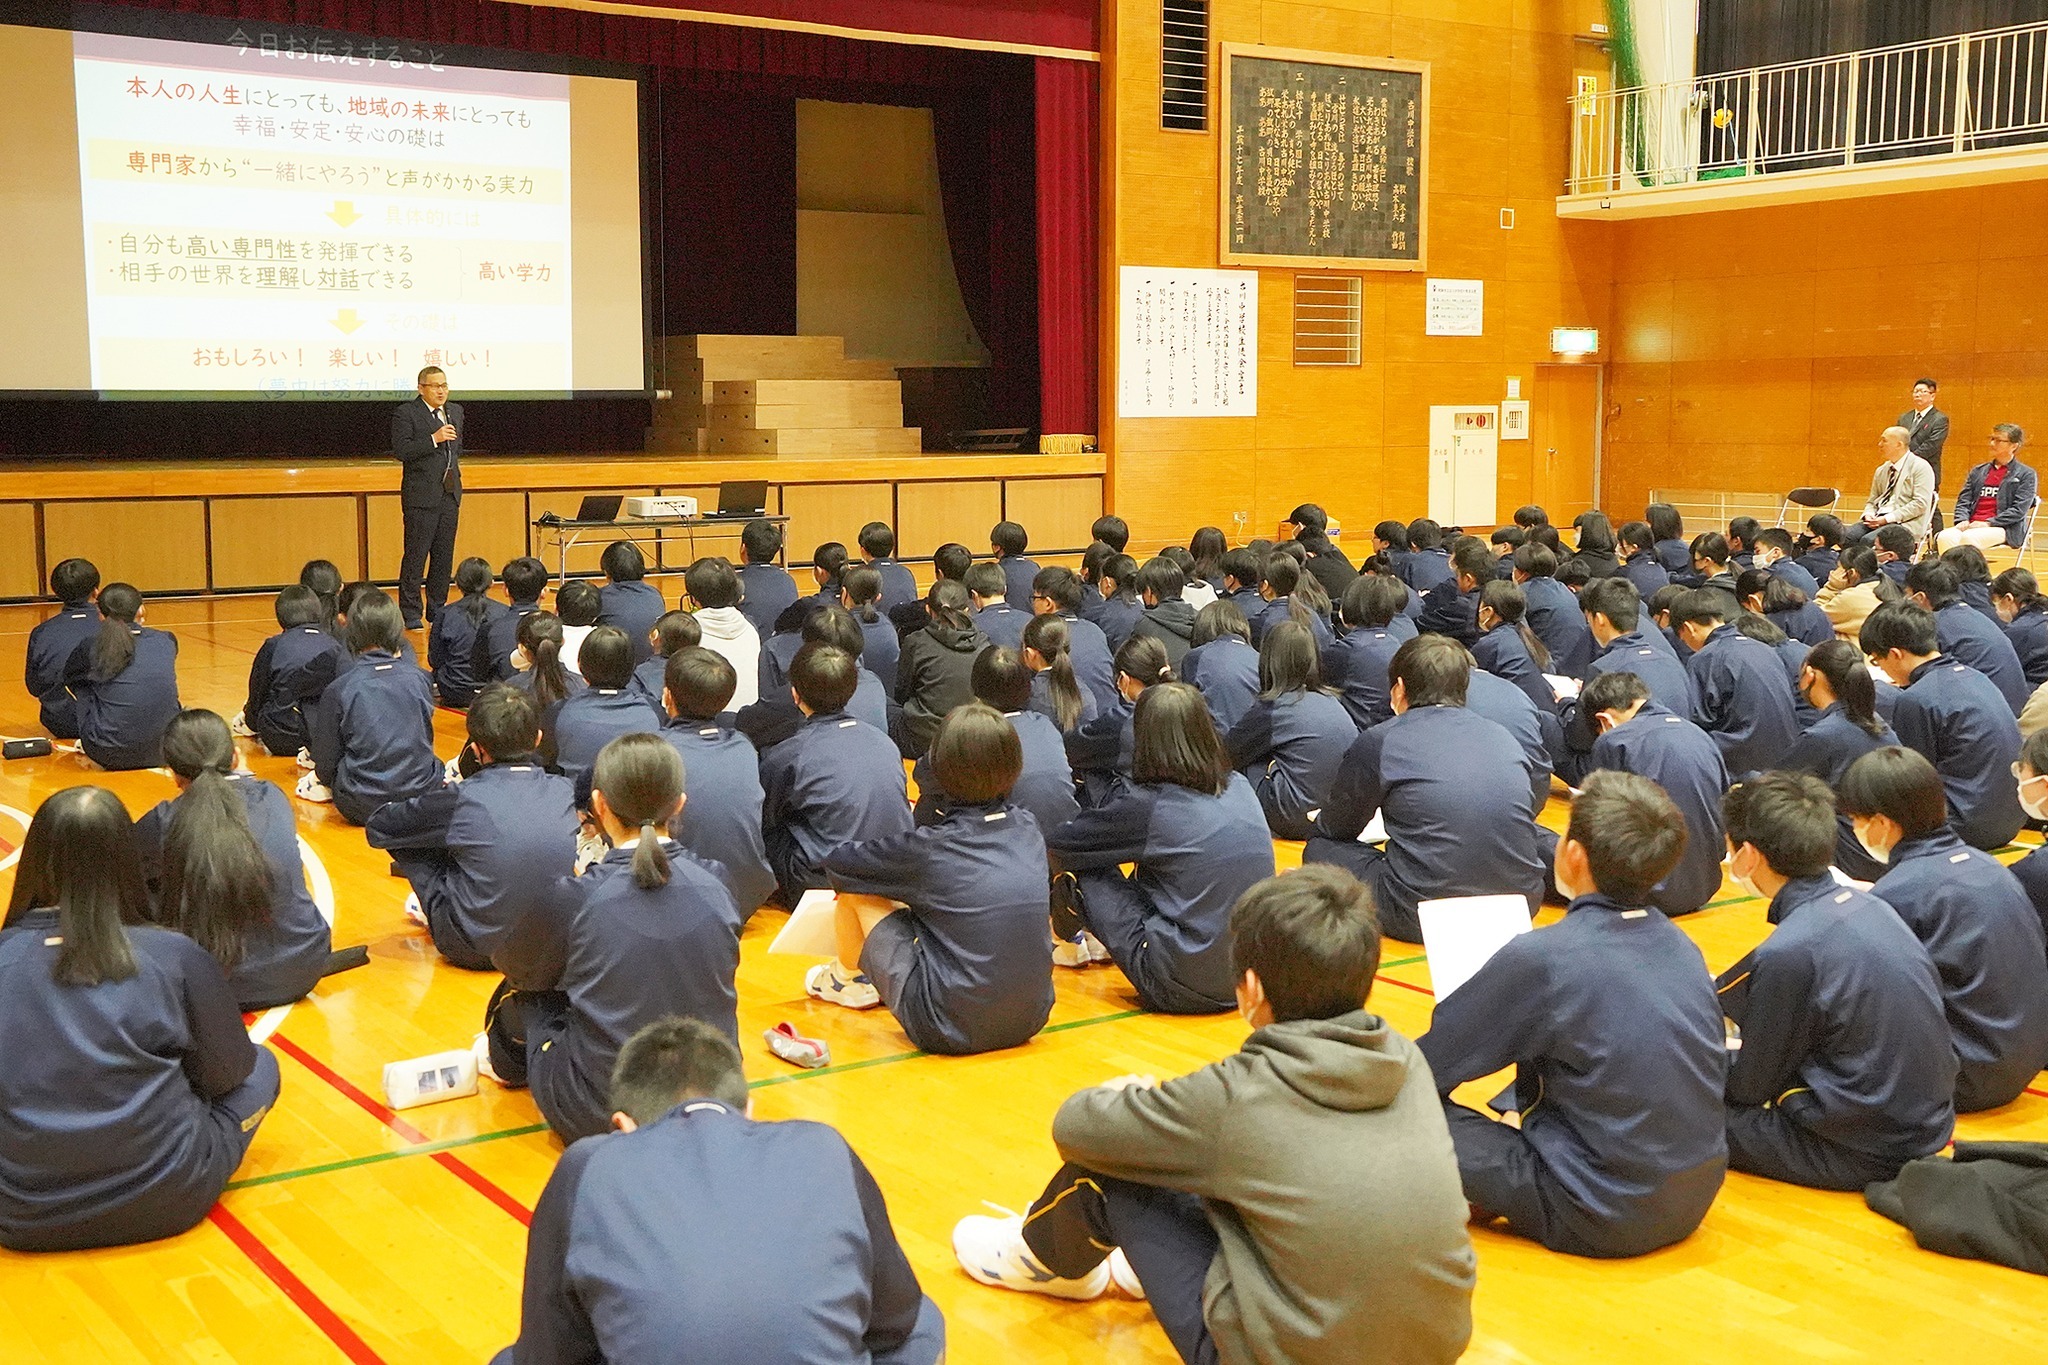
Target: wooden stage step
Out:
[760,395]
[816,441]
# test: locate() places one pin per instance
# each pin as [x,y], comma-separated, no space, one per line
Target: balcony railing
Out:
[1970,93]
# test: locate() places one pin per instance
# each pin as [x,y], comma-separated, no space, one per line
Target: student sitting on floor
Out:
[1955,717]
[1854,589]
[1243,1200]
[1451,608]
[525,579]
[1846,1070]
[1973,580]
[1010,541]
[948,920]
[950,563]
[1056,693]
[452,639]
[1641,737]
[325,582]
[1356,665]
[673,630]
[1168,617]
[74,582]
[1774,551]
[1669,543]
[131,1088]
[481,853]
[124,683]
[1428,563]
[1240,571]
[993,614]
[1099,553]
[373,740]
[1610,1021]
[1222,665]
[721,820]
[2031,775]
[579,604]
[538,669]
[881,647]
[1508,649]
[224,860]
[1784,606]
[1744,695]
[1552,611]
[935,672]
[1613,612]
[1057,592]
[1836,683]
[647,932]
[1045,782]
[732,1206]
[1964,634]
[290,672]
[1291,594]
[1453,788]
[1198,839]
[878,542]
[766,588]
[1819,546]
[835,781]
[2023,611]
[1896,546]
[775,716]
[1121,610]
[609,707]
[1100,748]
[712,592]
[1972,915]
[626,600]
[1711,559]
[1639,558]
[1292,740]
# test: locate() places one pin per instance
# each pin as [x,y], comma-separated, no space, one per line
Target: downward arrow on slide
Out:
[344,212]
[346,321]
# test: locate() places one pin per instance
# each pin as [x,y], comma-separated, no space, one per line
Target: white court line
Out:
[317,881]
[12,858]
[268,1023]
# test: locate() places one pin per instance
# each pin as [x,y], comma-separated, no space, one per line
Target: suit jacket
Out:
[412,442]
[1912,502]
[2015,500]
[1928,437]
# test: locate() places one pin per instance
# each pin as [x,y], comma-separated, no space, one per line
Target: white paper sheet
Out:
[1564,688]
[1460,933]
[813,928]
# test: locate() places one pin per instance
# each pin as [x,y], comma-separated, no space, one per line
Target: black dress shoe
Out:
[414,625]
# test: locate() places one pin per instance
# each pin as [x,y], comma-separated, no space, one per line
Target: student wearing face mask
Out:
[1971,914]
[2031,772]
[1838,685]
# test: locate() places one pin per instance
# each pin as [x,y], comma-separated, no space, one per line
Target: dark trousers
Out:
[1771,1143]
[425,869]
[1165,1235]
[512,1019]
[429,546]
[1110,906]
[1284,824]
[180,1197]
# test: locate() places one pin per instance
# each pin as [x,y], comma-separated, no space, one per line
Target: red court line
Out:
[295,1289]
[2042,1093]
[1407,986]
[384,1115]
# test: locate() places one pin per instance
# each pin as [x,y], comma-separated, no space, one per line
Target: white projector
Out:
[661,507]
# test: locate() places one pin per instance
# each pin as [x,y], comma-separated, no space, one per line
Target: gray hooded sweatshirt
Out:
[1323,1160]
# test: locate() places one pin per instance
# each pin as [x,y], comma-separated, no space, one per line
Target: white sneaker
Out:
[482,1048]
[413,913]
[1122,1276]
[240,726]
[1080,952]
[310,788]
[992,1251]
[830,982]
[306,759]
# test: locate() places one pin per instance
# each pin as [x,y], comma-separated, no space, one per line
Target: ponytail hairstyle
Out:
[863,587]
[1047,636]
[298,605]
[1121,570]
[1507,602]
[641,777]
[1142,659]
[1773,594]
[374,623]
[473,578]
[324,580]
[79,857]
[2024,590]
[1309,597]
[540,635]
[1847,674]
[1290,663]
[1306,599]
[946,605]
[113,647]
[217,884]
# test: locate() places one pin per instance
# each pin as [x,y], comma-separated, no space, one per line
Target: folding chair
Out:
[1813,499]
[2033,525]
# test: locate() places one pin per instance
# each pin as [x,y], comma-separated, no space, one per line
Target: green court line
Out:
[1405,961]
[420,1149]
[909,1056]
[1097,1019]
[1732,900]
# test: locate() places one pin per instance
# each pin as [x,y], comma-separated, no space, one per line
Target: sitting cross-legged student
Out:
[1242,1201]
[1451,607]
[1100,748]
[538,667]
[835,781]
[1742,689]
[712,592]
[1291,594]
[1712,562]
[1784,606]
[1669,543]
[2031,776]
[878,542]
[223,859]
[766,588]
[452,639]
[131,1088]
[1846,1070]
[481,853]
[52,642]
[1534,732]
[881,647]
[1508,649]
[579,604]
[1428,563]
[1972,915]
[673,630]
[1553,611]
[1855,588]
[1639,736]
[609,707]
[123,680]
[1954,716]
[690,1190]
[627,600]
[721,821]
[525,579]
[1774,549]
[993,614]
[1836,683]
[1009,541]
[1610,1021]
[1454,790]
[2023,610]
[1168,618]
[1613,612]
[1639,564]
[290,672]
[1292,740]
[1819,546]
[1973,581]
[1240,570]
[1356,665]
[1896,547]
[1045,782]
[648,931]
[1964,634]
[1121,609]
[775,716]
[1222,665]
[947,921]
[935,671]
[1198,839]
[1057,592]
[373,736]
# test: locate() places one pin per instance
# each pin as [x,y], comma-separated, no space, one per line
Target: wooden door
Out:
[1564,429]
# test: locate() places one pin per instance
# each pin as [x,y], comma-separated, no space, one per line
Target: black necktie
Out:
[448,466]
[1889,485]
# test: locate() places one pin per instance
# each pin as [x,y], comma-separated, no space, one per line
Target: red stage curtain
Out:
[1031,23]
[1067,256]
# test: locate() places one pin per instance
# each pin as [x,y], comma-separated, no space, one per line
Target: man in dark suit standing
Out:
[426,436]
[1926,429]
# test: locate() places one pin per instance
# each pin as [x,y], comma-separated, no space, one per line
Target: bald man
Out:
[1901,492]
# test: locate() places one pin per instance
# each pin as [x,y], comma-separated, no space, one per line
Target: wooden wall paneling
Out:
[834,511]
[929,515]
[158,546]
[1056,512]
[19,574]
[1344,479]
[264,542]
[493,525]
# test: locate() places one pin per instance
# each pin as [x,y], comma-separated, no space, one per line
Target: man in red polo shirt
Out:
[1997,502]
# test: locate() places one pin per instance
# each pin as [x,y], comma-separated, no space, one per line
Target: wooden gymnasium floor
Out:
[356,1234]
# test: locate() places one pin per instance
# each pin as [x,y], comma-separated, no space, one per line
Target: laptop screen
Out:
[746,498]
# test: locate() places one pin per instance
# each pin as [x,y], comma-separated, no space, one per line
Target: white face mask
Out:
[2037,804]
[1749,888]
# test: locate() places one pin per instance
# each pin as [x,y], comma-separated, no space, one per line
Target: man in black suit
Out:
[426,436]
[1926,429]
